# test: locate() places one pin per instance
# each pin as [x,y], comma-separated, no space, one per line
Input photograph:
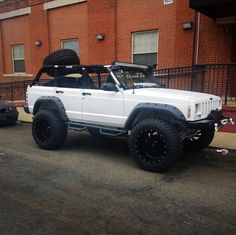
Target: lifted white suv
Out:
[122,99]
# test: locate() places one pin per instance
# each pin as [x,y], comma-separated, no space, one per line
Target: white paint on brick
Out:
[17,75]
[18,12]
[60,3]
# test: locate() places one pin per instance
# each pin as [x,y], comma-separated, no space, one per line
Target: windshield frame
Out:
[148,76]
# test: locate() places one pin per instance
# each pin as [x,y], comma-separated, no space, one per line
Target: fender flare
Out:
[166,109]
[55,102]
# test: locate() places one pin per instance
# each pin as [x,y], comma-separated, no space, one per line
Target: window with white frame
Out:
[71,44]
[18,58]
[168,2]
[145,47]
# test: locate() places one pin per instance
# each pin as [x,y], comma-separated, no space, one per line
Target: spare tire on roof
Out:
[61,57]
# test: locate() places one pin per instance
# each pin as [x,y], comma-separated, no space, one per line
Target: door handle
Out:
[86,93]
[61,92]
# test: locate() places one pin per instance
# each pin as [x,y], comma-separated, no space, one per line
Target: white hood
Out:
[166,94]
[193,105]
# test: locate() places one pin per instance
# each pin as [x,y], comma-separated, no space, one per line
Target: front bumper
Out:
[8,118]
[26,109]
[215,118]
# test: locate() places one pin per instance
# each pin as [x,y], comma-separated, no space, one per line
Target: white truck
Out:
[121,99]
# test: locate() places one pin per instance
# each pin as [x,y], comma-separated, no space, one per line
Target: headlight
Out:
[12,109]
[189,111]
[220,104]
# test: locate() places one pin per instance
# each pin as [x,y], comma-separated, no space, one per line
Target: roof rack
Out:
[76,68]
[126,64]
[62,70]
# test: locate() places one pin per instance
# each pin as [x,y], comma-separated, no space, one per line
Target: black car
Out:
[8,113]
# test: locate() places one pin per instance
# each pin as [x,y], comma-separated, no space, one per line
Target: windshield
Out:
[130,79]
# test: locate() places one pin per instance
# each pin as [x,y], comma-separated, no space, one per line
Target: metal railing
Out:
[13,90]
[217,79]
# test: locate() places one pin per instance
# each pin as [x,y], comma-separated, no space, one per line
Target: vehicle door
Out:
[71,96]
[103,107]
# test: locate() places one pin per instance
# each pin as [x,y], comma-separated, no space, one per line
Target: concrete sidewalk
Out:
[222,139]
[23,116]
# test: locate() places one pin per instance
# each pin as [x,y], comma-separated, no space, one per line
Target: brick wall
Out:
[15,31]
[215,46]
[184,38]
[38,31]
[70,22]
[137,15]
[101,19]
[117,19]
[10,5]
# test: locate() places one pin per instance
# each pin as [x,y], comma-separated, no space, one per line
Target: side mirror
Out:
[109,87]
[164,85]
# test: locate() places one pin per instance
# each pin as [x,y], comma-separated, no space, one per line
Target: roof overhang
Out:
[214,8]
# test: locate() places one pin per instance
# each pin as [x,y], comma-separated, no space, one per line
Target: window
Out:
[18,58]
[168,2]
[145,47]
[71,44]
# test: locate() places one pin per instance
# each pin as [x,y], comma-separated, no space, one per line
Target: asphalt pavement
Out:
[92,186]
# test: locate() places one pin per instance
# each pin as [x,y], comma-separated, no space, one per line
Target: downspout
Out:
[194,38]
[194,50]
[115,29]
[198,36]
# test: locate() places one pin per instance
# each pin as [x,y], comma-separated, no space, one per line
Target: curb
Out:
[24,117]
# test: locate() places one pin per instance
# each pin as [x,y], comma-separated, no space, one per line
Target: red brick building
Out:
[166,32]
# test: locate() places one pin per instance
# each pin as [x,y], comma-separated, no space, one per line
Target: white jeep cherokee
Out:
[122,100]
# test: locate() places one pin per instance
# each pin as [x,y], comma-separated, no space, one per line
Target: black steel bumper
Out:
[215,118]
[8,118]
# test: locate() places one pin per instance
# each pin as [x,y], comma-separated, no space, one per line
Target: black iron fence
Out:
[217,79]
[13,91]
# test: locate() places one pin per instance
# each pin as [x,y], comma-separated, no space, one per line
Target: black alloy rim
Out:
[151,146]
[43,129]
[196,137]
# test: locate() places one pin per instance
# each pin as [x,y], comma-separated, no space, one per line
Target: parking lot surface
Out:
[92,186]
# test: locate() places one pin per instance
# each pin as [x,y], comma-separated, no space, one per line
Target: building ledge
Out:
[60,3]
[18,75]
[14,13]
[214,8]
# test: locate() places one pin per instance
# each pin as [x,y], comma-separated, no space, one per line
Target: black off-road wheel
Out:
[61,57]
[201,140]
[48,130]
[155,145]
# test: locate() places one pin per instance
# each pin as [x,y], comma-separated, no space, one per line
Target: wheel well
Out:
[54,105]
[48,105]
[163,115]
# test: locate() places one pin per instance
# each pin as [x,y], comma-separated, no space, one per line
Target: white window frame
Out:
[13,60]
[141,32]
[71,39]
[166,2]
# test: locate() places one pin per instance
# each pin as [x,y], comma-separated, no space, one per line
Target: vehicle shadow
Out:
[117,148]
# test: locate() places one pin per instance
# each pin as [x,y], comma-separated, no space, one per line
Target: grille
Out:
[208,106]
[3,110]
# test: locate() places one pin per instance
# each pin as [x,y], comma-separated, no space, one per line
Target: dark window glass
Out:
[19,66]
[148,58]
[18,56]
